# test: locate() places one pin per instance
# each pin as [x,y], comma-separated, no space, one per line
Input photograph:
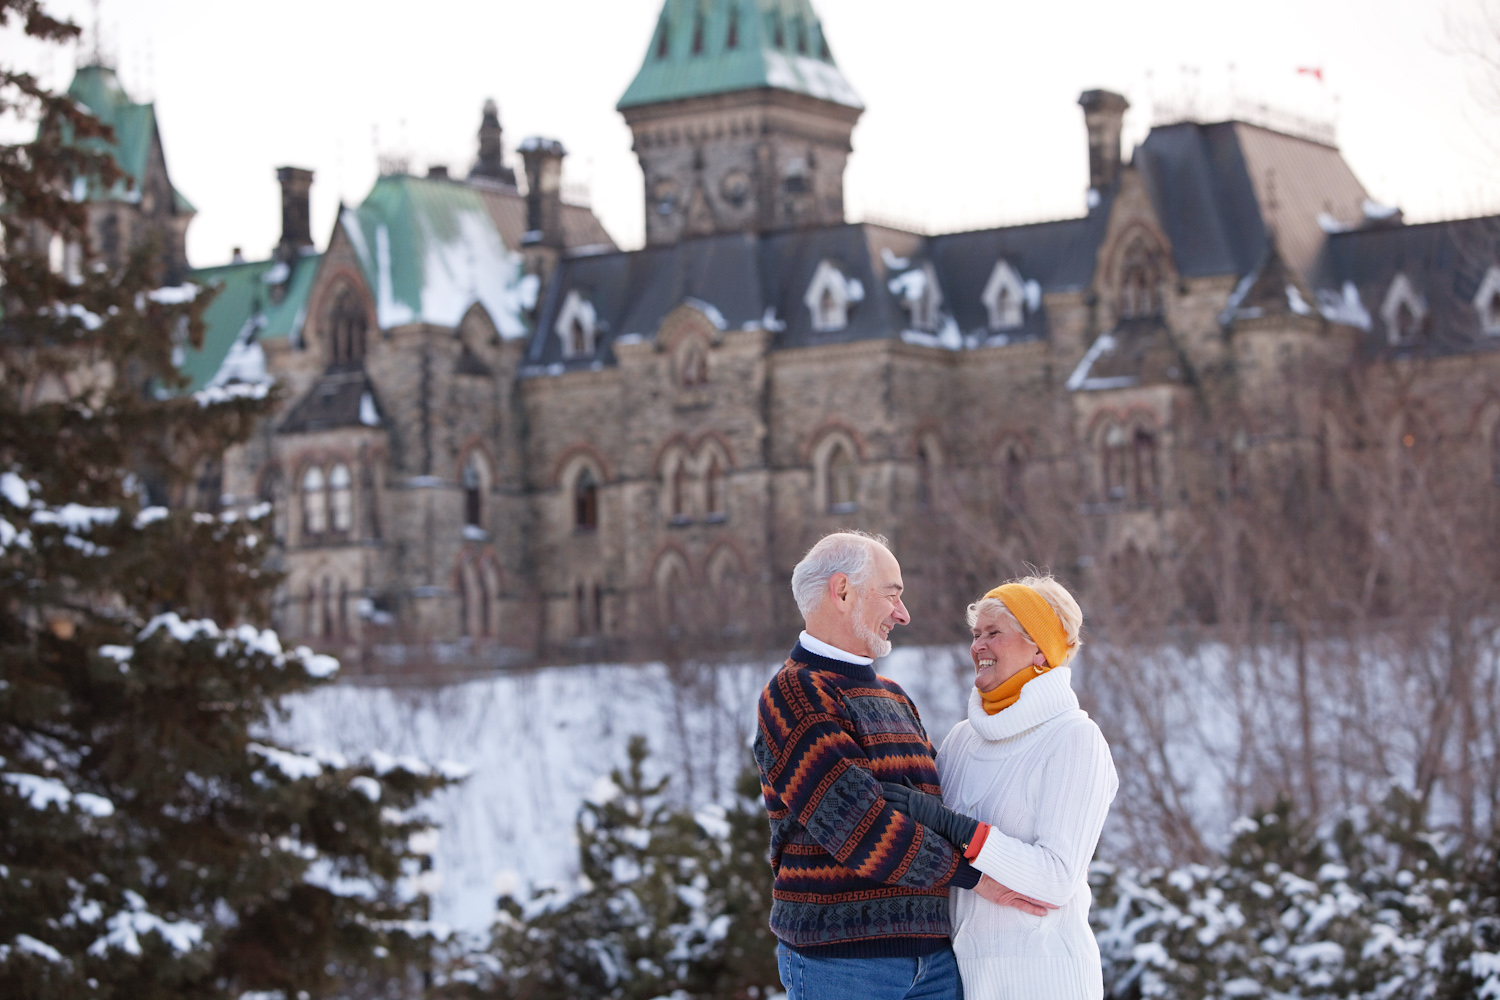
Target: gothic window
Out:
[1487,302]
[474,481]
[369,501]
[1004,298]
[730,589]
[588,609]
[585,501]
[672,591]
[1140,281]
[577,325]
[340,498]
[680,488]
[343,609]
[1012,470]
[314,502]
[347,324]
[270,493]
[843,481]
[713,492]
[461,584]
[1143,454]
[482,600]
[1113,461]
[325,610]
[693,367]
[1404,311]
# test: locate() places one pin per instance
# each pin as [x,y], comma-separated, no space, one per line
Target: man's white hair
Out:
[851,553]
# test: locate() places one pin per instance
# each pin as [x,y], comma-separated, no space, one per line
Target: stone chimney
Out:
[543,158]
[296,218]
[491,163]
[1104,115]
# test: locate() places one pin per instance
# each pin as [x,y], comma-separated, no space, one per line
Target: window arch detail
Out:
[836,462]
[348,325]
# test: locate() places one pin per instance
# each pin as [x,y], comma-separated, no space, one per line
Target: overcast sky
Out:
[971,113]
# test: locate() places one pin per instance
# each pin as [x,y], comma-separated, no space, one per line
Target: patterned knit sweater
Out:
[853,877]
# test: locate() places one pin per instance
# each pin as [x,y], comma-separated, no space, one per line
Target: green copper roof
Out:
[703,47]
[430,249]
[243,313]
[98,89]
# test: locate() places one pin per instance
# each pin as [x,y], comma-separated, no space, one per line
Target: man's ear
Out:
[838,585]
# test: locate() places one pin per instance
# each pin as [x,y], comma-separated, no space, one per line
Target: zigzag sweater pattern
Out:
[853,877]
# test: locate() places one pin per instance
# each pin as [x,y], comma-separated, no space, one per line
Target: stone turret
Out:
[741,120]
[491,163]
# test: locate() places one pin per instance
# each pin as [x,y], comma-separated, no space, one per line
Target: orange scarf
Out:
[1036,616]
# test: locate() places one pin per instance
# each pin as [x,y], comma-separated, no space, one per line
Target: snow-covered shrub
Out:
[1375,908]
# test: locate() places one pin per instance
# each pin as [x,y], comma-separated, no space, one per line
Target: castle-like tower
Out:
[741,120]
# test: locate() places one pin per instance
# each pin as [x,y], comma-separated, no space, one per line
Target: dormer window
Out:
[1004,298]
[1403,311]
[576,326]
[698,33]
[920,296]
[732,40]
[663,40]
[829,297]
[692,366]
[778,31]
[1487,302]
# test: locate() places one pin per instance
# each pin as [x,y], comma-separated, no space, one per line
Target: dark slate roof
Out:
[336,399]
[1445,261]
[1059,256]
[1218,188]
[748,279]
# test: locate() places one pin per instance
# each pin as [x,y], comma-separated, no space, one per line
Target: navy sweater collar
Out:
[855,671]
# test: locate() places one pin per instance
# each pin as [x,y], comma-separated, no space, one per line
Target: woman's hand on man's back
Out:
[998,894]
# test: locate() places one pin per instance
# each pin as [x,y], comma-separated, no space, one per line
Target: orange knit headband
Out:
[1037,618]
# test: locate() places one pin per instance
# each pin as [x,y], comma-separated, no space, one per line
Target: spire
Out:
[491,162]
[704,47]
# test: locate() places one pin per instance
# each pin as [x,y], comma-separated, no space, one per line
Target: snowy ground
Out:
[536,742]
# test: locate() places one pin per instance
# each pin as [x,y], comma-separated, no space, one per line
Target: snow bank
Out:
[537,743]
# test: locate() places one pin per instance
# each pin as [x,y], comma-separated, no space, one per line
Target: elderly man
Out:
[860,902]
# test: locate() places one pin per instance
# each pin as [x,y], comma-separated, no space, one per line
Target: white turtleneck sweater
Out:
[1039,772]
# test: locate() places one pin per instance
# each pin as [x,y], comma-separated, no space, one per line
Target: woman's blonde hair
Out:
[1058,599]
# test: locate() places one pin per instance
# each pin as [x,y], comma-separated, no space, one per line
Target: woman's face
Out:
[1000,651]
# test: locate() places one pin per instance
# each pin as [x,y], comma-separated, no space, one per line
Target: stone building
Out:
[499,437]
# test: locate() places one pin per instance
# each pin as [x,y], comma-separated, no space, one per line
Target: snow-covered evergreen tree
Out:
[153,842]
[1376,909]
[671,902]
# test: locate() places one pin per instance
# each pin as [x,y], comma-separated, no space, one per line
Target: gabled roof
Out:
[703,47]
[430,249]
[244,312]
[98,88]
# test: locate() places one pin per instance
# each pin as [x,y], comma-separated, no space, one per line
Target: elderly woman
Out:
[1027,781]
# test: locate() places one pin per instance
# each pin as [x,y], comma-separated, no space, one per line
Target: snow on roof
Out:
[430,250]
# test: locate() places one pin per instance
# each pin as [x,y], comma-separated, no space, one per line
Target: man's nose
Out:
[902,616]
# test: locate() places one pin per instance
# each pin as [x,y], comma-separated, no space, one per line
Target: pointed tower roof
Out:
[97,87]
[704,47]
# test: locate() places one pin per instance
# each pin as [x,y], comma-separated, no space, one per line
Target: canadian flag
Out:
[1312,71]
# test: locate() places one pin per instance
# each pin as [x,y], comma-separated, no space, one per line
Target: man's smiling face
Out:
[877,605]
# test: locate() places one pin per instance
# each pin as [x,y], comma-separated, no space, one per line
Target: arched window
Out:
[713,490]
[1012,471]
[347,324]
[672,592]
[326,618]
[693,369]
[461,582]
[585,501]
[473,483]
[270,492]
[1140,281]
[1113,462]
[314,502]
[340,498]
[1144,456]
[482,600]
[343,610]
[843,481]
[680,487]
[929,461]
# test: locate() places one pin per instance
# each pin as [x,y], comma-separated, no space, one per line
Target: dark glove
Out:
[956,828]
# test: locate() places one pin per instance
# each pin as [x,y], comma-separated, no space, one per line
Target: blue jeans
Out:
[930,977]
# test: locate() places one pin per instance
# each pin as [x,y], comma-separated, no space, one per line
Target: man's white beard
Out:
[870,635]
